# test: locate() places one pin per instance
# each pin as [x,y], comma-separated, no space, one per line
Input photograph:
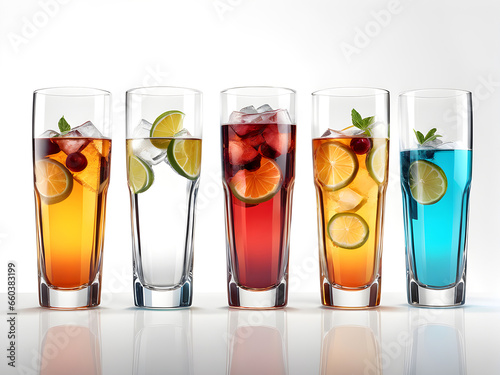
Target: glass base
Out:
[335,296]
[257,299]
[163,298]
[427,297]
[69,299]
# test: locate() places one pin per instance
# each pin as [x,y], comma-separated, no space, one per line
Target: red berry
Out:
[76,162]
[361,146]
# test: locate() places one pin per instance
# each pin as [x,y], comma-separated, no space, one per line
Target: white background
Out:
[211,45]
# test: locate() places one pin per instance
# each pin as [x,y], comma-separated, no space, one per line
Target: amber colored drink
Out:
[71,226]
[359,198]
[258,228]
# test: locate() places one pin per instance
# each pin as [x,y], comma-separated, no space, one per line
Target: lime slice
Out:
[428,182]
[376,163]
[348,230]
[184,155]
[165,126]
[335,165]
[53,181]
[140,175]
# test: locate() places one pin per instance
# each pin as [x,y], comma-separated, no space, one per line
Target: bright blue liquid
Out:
[436,234]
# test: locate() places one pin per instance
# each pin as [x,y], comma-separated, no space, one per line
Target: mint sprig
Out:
[64,127]
[362,123]
[431,136]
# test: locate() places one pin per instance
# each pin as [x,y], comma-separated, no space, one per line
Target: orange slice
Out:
[335,165]
[53,181]
[259,185]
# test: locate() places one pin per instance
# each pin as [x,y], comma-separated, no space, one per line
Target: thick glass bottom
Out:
[69,299]
[347,298]
[272,298]
[419,295]
[163,298]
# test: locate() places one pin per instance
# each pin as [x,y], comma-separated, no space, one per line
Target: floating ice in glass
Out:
[49,134]
[142,146]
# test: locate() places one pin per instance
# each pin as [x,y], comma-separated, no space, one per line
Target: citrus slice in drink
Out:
[259,185]
[140,175]
[184,155]
[348,230]
[428,182]
[336,165]
[54,181]
[166,125]
[376,163]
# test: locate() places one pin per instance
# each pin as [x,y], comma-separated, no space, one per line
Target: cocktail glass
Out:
[71,161]
[163,167]
[258,162]
[351,158]
[436,170]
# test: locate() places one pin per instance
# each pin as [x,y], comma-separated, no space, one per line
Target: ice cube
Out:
[332,133]
[250,110]
[378,130]
[49,134]
[278,116]
[142,130]
[448,146]
[184,133]
[87,130]
[142,146]
[264,108]
[431,144]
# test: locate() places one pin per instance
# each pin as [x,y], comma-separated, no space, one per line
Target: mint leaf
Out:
[63,125]
[367,121]
[357,120]
[430,136]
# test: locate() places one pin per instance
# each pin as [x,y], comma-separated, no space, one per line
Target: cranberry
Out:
[76,162]
[361,146]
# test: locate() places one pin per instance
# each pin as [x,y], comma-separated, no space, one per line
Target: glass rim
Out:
[240,91]
[72,91]
[163,91]
[432,93]
[342,92]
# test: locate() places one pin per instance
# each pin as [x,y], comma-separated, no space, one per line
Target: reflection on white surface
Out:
[70,348]
[257,342]
[350,345]
[162,343]
[437,342]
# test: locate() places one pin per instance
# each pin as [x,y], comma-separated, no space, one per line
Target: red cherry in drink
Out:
[76,162]
[361,146]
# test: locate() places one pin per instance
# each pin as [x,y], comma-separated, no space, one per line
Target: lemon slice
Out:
[165,126]
[335,165]
[140,175]
[376,163]
[428,182]
[53,181]
[184,155]
[348,230]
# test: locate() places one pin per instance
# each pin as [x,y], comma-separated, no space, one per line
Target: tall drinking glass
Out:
[71,159]
[258,162]
[163,167]
[436,169]
[351,161]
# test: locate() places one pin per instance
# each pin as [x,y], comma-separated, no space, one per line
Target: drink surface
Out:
[163,213]
[358,198]
[436,233]
[259,172]
[71,227]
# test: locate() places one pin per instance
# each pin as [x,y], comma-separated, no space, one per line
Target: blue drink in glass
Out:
[436,233]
